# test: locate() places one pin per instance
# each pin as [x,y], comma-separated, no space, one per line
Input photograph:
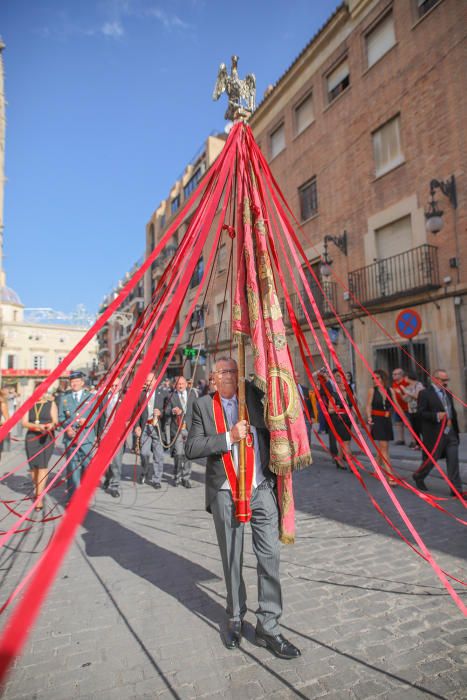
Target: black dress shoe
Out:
[462,494]
[419,483]
[187,484]
[142,479]
[157,485]
[233,634]
[115,493]
[278,644]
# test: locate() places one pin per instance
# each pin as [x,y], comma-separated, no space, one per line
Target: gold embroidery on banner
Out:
[246,212]
[284,408]
[271,306]
[237,312]
[253,306]
[278,339]
[260,226]
[283,451]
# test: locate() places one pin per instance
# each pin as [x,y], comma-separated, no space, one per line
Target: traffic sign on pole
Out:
[408,323]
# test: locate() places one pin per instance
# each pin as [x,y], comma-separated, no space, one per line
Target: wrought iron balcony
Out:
[325,299]
[405,274]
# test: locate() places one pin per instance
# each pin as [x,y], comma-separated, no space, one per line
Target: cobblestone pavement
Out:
[136,609]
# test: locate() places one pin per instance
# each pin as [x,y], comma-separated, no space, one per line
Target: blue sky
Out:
[107,102]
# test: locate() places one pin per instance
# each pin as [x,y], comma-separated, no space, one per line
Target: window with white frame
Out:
[394,268]
[38,362]
[304,114]
[338,80]
[380,39]
[394,238]
[387,149]
[277,141]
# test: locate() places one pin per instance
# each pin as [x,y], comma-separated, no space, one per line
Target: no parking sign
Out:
[408,323]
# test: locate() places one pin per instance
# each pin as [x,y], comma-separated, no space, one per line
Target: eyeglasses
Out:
[220,372]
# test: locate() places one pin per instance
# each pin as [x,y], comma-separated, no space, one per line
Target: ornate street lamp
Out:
[326,262]
[433,215]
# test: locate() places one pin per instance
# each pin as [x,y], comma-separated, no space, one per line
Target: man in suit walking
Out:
[148,431]
[179,408]
[207,440]
[75,406]
[113,474]
[438,415]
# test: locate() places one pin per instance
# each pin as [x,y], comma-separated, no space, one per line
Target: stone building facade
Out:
[30,351]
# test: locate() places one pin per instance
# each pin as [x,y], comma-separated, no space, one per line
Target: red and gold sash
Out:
[242,505]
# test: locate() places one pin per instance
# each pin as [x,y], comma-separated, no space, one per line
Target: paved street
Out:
[136,609]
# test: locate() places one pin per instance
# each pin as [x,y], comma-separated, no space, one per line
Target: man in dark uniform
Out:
[437,413]
[75,407]
[179,407]
[206,440]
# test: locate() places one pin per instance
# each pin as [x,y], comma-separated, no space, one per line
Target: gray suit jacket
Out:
[204,440]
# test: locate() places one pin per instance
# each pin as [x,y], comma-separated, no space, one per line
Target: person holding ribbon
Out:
[179,409]
[440,430]
[379,410]
[40,423]
[148,433]
[340,419]
[216,433]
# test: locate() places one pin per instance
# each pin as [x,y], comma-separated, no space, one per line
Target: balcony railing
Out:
[405,274]
[325,299]
[216,334]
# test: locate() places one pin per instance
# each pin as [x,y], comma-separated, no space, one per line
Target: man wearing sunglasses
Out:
[440,431]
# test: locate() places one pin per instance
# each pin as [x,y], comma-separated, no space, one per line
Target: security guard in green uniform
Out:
[75,406]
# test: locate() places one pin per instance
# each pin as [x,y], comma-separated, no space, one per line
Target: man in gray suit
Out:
[178,408]
[204,440]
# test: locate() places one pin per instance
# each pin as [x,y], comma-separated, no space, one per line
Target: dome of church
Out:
[9,296]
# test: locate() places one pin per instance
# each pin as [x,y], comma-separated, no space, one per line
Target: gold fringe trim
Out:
[237,336]
[297,463]
[287,539]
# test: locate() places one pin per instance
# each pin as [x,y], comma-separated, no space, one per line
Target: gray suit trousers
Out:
[266,546]
[152,456]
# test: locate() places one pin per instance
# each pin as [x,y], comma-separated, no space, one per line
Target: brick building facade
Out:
[370,112]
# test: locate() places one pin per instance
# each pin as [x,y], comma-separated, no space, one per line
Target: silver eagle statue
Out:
[241,93]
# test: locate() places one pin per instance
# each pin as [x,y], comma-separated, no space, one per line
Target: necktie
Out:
[231,412]
[446,403]
[182,400]
[75,396]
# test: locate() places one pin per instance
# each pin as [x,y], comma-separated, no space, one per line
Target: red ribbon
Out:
[242,506]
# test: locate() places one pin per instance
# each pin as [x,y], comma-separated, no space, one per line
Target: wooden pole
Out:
[241,416]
